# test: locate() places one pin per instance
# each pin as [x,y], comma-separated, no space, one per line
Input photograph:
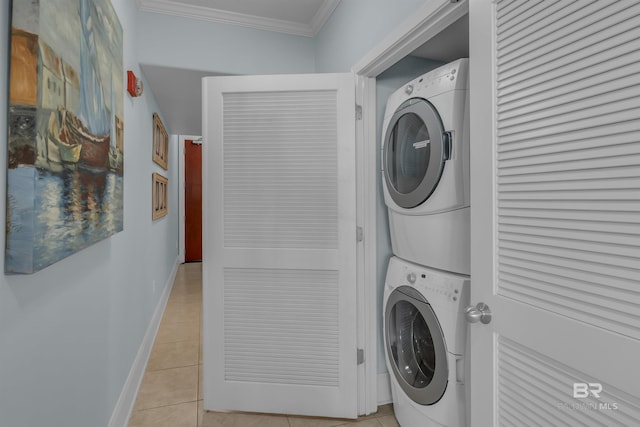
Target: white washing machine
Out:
[425,164]
[425,336]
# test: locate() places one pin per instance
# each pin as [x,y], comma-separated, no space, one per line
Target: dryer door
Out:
[415,346]
[416,148]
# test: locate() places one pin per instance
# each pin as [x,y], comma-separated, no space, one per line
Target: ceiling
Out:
[181,104]
[298,17]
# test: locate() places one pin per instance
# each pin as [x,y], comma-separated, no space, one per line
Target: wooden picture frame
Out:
[160,143]
[159,198]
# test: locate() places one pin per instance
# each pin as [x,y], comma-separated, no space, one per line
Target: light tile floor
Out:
[170,394]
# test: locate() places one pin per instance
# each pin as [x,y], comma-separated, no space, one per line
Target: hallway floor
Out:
[171,394]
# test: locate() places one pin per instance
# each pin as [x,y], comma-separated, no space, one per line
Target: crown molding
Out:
[323,14]
[176,8]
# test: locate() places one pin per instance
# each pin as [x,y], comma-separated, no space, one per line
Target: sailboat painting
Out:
[65,130]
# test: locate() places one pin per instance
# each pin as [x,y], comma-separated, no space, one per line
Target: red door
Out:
[193,200]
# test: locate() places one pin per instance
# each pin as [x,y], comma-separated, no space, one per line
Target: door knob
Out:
[479,313]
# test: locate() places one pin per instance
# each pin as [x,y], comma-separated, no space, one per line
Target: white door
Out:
[279,244]
[555,197]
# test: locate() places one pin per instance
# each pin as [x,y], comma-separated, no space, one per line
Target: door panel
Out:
[555,213]
[279,275]
[193,201]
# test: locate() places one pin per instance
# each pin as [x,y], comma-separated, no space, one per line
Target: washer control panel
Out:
[433,284]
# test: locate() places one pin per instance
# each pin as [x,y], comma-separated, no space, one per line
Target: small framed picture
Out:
[159,197]
[160,142]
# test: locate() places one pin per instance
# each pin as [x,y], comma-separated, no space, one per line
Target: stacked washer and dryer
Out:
[425,165]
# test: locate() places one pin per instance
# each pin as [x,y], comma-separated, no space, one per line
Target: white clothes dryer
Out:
[425,336]
[425,165]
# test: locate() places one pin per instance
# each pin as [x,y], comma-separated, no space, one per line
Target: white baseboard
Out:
[384,389]
[124,406]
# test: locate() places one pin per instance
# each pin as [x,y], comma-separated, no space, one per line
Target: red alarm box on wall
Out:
[134,84]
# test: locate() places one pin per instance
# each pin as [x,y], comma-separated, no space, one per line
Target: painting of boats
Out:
[59,149]
[95,149]
[66,140]
[69,154]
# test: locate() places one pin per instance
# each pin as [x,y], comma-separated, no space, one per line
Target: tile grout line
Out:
[172,367]
[166,406]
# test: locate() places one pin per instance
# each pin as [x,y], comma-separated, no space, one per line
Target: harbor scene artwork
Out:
[65,130]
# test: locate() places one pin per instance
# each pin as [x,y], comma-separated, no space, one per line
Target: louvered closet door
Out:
[279,244]
[555,139]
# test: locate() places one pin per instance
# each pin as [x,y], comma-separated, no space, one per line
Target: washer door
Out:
[415,346]
[416,148]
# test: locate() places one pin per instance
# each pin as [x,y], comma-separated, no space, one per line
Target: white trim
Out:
[421,26]
[176,8]
[323,14]
[122,412]
[366,218]
[181,194]
[384,389]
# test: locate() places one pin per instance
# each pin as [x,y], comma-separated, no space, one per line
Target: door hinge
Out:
[360,356]
[358,112]
[359,234]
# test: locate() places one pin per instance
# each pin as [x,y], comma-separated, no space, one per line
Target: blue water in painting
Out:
[52,215]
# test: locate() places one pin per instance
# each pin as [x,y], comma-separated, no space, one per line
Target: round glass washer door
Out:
[415,346]
[414,154]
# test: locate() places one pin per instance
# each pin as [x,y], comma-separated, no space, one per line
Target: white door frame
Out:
[181,193]
[422,25]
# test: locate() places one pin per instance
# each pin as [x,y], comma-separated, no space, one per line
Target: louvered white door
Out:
[279,244]
[555,140]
